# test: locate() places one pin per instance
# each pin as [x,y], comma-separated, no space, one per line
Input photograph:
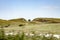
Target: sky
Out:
[29,9]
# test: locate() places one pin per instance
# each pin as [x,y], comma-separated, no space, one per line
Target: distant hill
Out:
[47,20]
[22,20]
[12,21]
[4,22]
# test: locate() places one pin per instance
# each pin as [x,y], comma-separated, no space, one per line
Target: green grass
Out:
[22,36]
[39,28]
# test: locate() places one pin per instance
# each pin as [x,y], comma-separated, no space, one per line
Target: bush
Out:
[22,36]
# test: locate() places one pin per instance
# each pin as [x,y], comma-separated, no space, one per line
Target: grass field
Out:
[38,28]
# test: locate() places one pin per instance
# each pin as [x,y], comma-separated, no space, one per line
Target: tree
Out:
[29,20]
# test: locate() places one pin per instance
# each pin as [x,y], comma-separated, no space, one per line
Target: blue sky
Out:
[29,9]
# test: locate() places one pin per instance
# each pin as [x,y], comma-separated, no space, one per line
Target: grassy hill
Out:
[12,22]
[3,22]
[22,20]
[47,20]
